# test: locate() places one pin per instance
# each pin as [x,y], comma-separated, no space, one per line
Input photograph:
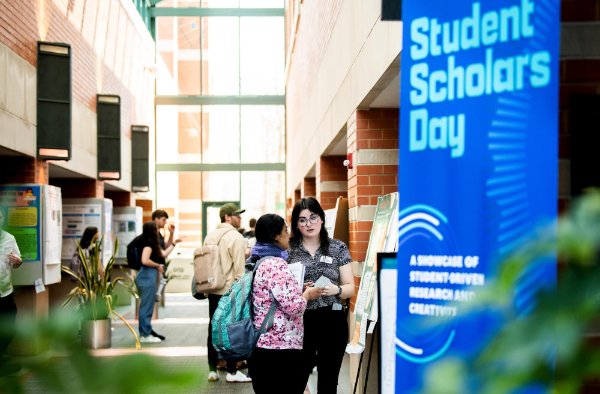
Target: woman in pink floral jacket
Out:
[276,364]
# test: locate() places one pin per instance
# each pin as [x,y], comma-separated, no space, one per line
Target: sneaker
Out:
[155,334]
[149,339]
[213,376]
[237,377]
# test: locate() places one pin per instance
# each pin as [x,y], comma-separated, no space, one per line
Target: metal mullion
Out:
[220,100]
[192,11]
[242,167]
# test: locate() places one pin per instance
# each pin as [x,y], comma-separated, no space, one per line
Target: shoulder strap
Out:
[221,237]
[268,321]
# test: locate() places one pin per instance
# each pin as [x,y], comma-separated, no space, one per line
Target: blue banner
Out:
[478,166]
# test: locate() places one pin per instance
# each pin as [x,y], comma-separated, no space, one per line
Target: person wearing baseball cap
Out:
[232,256]
[231,210]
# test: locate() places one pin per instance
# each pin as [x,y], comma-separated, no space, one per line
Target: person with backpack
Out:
[232,247]
[153,264]
[276,362]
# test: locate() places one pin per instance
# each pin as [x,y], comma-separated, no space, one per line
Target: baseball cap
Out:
[230,209]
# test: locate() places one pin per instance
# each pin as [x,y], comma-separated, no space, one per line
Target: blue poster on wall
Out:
[478,166]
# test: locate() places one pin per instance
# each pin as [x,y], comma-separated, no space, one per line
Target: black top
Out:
[156,257]
[320,264]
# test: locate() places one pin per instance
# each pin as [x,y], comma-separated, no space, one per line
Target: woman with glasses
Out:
[276,363]
[326,263]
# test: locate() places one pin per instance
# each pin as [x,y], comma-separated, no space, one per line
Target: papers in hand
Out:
[322,282]
[297,270]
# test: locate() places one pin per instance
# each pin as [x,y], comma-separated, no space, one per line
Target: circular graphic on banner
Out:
[428,279]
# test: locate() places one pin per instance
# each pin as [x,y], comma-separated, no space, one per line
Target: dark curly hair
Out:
[313,206]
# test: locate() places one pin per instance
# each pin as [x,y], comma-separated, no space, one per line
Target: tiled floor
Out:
[183,320]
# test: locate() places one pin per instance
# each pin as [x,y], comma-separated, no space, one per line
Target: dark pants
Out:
[325,340]
[213,356]
[8,317]
[277,371]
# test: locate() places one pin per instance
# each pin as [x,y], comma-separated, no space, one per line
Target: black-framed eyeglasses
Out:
[304,221]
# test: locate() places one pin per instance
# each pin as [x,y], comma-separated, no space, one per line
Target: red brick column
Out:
[373,144]
[121,199]
[80,187]
[308,187]
[23,169]
[331,180]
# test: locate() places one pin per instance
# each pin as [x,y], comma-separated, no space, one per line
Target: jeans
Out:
[147,285]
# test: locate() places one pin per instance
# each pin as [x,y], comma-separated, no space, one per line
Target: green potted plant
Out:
[94,295]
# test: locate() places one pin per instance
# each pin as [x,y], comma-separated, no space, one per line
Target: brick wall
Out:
[23,170]
[109,47]
[80,187]
[121,199]
[373,143]
[331,180]
[309,187]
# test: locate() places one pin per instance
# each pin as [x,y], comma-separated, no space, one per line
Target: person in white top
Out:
[10,258]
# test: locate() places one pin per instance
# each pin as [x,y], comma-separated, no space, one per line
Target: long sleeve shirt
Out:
[8,244]
[232,253]
[273,276]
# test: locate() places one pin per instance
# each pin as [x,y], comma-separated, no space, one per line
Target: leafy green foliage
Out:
[94,293]
[546,348]
[67,367]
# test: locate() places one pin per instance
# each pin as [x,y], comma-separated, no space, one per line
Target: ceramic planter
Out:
[96,334]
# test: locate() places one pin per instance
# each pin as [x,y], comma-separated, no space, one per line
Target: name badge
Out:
[326,259]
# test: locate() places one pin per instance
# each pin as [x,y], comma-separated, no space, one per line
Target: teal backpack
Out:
[233,333]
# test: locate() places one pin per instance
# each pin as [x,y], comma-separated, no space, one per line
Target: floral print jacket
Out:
[273,276]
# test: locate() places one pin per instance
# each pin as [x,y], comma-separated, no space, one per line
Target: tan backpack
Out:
[208,273]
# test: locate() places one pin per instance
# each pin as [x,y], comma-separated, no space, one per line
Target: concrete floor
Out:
[183,320]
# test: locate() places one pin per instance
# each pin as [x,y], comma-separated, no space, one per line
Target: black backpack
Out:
[134,253]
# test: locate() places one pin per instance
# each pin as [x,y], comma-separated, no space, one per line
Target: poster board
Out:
[33,217]
[79,213]
[387,273]
[336,220]
[366,300]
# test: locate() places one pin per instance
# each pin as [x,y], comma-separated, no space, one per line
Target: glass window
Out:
[178,3]
[181,191]
[270,199]
[220,46]
[178,134]
[178,46]
[262,55]
[263,133]
[221,134]
[220,3]
[261,3]
[221,186]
